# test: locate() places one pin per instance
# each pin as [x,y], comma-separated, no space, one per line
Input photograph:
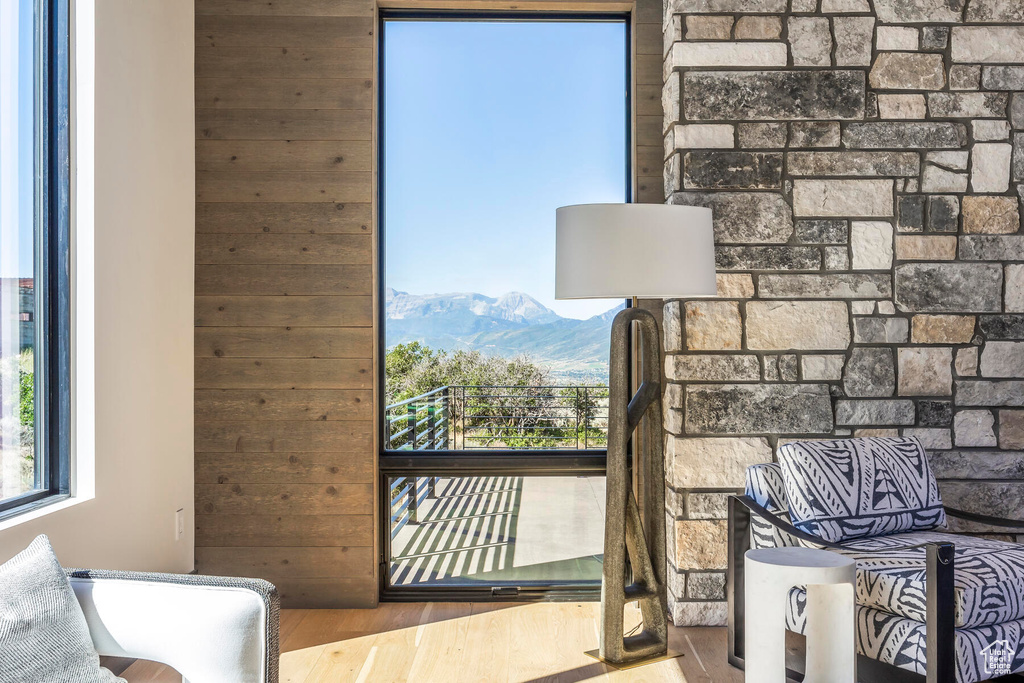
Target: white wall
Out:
[133,266]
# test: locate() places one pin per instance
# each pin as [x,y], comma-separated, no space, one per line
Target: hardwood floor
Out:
[468,642]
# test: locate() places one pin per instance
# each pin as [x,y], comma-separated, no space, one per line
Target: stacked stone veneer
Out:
[863,159]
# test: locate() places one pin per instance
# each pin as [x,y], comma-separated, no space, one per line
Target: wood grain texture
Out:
[283,155]
[283,186]
[283,31]
[284,93]
[284,217]
[284,249]
[269,404]
[284,373]
[290,468]
[275,436]
[283,499]
[290,562]
[282,342]
[284,62]
[285,8]
[296,311]
[287,280]
[283,124]
[283,530]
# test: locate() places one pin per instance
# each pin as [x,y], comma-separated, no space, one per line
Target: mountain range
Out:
[512,324]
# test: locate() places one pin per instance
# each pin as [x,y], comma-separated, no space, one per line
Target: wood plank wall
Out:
[285,368]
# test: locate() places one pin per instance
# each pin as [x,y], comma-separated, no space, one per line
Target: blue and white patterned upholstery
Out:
[891,590]
[902,642]
[855,488]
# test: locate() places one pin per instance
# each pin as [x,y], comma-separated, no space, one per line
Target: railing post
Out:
[586,419]
[431,428]
[414,501]
[410,419]
[446,406]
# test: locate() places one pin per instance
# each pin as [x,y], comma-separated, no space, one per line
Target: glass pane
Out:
[489,127]
[21,174]
[490,531]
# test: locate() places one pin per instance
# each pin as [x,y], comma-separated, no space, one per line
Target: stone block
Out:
[952,160]
[966,363]
[907,71]
[732,170]
[836,258]
[925,371]
[1003,77]
[713,326]
[988,44]
[797,325]
[1017,160]
[886,308]
[842,197]
[870,372]
[974,428]
[1002,359]
[708,27]
[990,171]
[961,105]
[867,412]
[925,247]
[934,37]
[993,215]
[705,586]
[773,95]
[936,179]
[988,130]
[672,326]
[942,329]
[910,213]
[904,106]
[995,11]
[704,135]
[871,245]
[905,134]
[822,231]
[844,6]
[671,403]
[1017,110]
[699,613]
[771,368]
[734,285]
[931,438]
[810,41]
[829,285]
[758,27]
[703,505]
[744,217]
[897,38]
[700,544]
[853,163]
[762,135]
[803,6]
[943,213]
[949,287]
[964,77]
[670,105]
[727,6]
[984,393]
[767,258]
[1011,429]
[932,413]
[758,408]
[712,368]
[862,307]
[713,463]
[788,368]
[976,465]
[725,54]
[853,40]
[1015,288]
[1002,327]
[992,247]
[880,330]
[865,433]
[919,11]
[806,134]
[672,174]
[823,368]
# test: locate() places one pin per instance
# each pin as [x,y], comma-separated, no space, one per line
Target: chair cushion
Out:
[902,642]
[43,633]
[988,577]
[853,488]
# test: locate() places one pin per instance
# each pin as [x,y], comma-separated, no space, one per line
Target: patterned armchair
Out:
[931,606]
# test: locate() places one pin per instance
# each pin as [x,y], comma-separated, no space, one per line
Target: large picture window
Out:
[34,261]
[495,396]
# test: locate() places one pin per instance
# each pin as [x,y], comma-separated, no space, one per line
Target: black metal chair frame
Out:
[940,624]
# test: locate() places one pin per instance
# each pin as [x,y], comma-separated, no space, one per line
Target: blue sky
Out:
[490,126]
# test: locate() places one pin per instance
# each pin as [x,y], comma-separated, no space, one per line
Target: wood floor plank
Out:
[150,672]
[490,632]
[284,217]
[440,640]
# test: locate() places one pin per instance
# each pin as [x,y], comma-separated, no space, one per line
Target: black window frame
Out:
[53,246]
[478,462]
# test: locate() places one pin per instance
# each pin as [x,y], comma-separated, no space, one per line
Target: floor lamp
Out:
[656,251]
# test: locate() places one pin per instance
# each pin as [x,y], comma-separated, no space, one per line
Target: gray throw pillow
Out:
[43,634]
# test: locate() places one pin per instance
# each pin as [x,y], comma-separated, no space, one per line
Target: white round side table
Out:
[769,574]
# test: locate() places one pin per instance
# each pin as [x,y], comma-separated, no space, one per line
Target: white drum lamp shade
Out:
[652,251]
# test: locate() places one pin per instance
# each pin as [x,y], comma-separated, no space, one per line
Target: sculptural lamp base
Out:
[632,664]
[628,533]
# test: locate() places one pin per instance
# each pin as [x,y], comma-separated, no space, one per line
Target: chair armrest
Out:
[208,628]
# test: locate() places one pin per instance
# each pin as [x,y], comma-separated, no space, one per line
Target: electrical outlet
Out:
[179,524]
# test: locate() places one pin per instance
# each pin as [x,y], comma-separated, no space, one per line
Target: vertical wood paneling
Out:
[285,353]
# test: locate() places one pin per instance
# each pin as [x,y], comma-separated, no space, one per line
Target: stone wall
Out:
[862,158]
